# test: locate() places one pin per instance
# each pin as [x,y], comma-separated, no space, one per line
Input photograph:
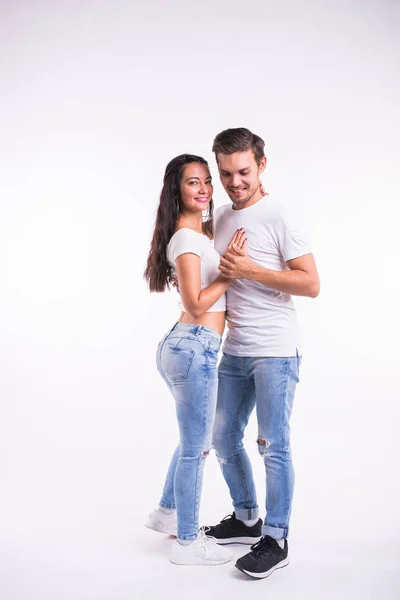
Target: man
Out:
[261,359]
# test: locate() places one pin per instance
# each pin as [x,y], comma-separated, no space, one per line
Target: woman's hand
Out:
[235,263]
[237,242]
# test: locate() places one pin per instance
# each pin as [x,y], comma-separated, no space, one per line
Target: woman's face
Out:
[196,187]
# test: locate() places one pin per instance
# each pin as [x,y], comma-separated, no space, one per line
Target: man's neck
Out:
[257,196]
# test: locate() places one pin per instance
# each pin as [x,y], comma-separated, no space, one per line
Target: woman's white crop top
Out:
[186,240]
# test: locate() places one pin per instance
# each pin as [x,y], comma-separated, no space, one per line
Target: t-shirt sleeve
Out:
[292,234]
[185,241]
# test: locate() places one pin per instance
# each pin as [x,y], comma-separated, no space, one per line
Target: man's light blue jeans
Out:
[267,383]
[187,360]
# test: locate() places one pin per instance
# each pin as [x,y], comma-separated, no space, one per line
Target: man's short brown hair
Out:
[239,139]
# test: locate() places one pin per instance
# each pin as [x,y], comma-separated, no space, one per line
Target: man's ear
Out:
[262,164]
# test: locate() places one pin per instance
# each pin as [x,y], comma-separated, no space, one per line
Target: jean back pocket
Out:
[177,362]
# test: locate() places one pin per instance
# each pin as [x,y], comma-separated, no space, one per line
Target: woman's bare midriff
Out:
[212,320]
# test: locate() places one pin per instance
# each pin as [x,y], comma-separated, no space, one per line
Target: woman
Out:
[182,249]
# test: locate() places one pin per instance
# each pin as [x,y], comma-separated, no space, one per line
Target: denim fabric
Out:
[187,360]
[267,383]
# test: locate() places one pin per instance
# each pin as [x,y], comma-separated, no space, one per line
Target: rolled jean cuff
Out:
[167,505]
[187,538]
[246,514]
[275,532]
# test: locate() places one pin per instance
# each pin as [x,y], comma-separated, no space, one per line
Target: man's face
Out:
[239,174]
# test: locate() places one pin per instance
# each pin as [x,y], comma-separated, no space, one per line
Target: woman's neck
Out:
[190,222]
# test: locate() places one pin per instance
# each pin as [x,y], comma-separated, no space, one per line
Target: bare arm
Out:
[300,280]
[188,266]
[195,300]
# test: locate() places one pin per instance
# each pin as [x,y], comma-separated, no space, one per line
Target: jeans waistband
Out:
[197,330]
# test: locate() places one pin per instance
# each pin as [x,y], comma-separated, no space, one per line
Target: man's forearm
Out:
[296,282]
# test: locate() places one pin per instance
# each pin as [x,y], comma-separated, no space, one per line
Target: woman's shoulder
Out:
[186,240]
[184,233]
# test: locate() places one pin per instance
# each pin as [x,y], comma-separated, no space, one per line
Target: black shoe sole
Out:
[280,565]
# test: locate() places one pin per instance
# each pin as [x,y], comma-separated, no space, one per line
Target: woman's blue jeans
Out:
[187,360]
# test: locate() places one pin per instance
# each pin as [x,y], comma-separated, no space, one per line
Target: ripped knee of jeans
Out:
[263,446]
[222,461]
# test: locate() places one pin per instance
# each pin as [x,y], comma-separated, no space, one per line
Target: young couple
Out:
[241,264]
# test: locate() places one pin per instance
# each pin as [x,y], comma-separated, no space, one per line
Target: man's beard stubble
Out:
[242,203]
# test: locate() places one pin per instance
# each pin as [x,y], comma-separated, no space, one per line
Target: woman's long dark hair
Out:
[158,270]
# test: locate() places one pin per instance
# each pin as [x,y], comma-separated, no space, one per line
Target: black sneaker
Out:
[264,558]
[232,531]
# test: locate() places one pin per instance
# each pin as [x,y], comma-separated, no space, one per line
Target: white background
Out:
[96,98]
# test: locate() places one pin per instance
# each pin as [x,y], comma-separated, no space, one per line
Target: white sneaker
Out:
[159,521]
[203,551]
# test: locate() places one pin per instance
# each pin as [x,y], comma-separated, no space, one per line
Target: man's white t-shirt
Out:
[261,321]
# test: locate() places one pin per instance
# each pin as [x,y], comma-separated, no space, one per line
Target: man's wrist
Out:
[253,272]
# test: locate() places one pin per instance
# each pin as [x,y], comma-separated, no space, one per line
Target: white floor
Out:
[48,563]
[72,517]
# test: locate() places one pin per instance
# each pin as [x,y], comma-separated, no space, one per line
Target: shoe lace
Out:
[228,518]
[225,521]
[208,541]
[264,546]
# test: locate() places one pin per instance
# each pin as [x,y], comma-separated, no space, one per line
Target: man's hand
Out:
[235,263]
